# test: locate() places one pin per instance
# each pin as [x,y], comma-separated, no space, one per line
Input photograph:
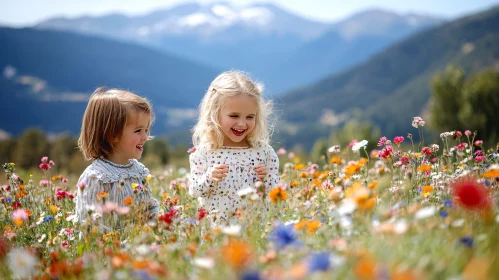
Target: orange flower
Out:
[102,195]
[237,253]
[303,174]
[127,200]
[365,269]
[312,226]
[277,194]
[424,168]
[373,185]
[293,184]
[491,174]
[426,190]
[300,166]
[336,160]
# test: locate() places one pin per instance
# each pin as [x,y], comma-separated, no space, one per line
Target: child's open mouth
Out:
[238,132]
[140,147]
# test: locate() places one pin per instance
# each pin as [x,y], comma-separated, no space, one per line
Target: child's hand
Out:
[219,172]
[261,171]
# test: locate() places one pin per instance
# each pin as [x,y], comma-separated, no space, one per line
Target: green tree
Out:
[7,148]
[447,98]
[62,150]
[31,146]
[459,104]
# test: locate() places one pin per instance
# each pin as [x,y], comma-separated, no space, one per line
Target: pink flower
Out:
[398,139]
[381,141]
[404,160]
[281,152]
[51,162]
[461,146]
[291,155]
[44,166]
[418,121]
[44,159]
[467,133]
[44,183]
[191,150]
[426,151]
[81,185]
[478,143]
[434,147]
[479,158]
[19,214]
[458,134]
[350,145]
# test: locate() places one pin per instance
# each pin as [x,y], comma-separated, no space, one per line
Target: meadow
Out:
[406,210]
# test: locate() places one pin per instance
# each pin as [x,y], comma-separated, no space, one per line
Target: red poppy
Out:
[471,194]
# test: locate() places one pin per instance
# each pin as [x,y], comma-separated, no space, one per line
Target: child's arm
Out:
[86,198]
[200,181]
[272,179]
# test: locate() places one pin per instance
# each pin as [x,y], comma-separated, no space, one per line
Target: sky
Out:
[20,13]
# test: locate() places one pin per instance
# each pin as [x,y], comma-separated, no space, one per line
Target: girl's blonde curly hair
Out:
[208,130]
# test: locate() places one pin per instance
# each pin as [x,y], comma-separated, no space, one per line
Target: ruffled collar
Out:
[130,163]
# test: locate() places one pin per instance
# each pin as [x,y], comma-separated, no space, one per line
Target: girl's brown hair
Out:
[105,119]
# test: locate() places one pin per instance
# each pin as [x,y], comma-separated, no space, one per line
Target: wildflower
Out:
[237,253]
[102,195]
[319,262]
[44,159]
[335,160]
[21,263]
[425,212]
[494,173]
[278,194]
[479,158]
[202,213]
[426,151]
[398,139]
[457,134]
[44,166]
[128,200]
[44,183]
[381,141]
[470,193]
[426,190]
[281,152]
[81,185]
[418,121]
[168,216]
[207,263]
[478,143]
[232,230]
[19,216]
[424,168]
[333,149]
[434,148]
[467,241]
[283,235]
[191,150]
[359,145]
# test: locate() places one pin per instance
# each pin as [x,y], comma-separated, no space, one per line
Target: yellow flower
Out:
[300,166]
[54,208]
[134,185]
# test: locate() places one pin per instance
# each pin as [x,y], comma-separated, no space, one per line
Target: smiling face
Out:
[238,118]
[131,143]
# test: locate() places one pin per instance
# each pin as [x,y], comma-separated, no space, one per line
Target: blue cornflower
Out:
[283,235]
[319,262]
[251,275]
[467,241]
[443,214]
[48,219]
[487,182]
[9,199]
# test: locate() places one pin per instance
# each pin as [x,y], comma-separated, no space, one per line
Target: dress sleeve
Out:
[86,199]
[200,183]
[272,179]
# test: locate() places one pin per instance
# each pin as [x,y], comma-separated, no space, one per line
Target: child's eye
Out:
[251,117]
[233,116]
[138,130]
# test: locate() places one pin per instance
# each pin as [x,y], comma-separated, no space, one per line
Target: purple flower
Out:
[283,235]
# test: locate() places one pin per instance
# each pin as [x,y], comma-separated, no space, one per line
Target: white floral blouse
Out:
[120,182]
[221,197]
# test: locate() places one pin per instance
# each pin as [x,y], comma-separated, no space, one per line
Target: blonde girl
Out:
[232,146]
